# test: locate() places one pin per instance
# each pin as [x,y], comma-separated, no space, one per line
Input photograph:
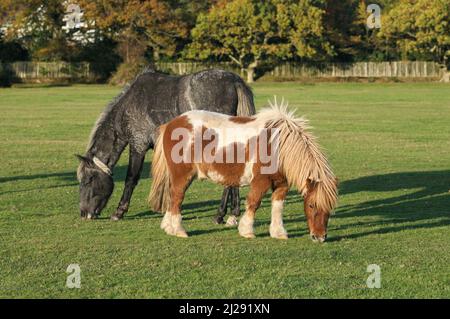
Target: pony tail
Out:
[246,105]
[159,196]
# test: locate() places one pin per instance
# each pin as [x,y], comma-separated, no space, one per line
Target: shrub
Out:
[127,72]
[6,75]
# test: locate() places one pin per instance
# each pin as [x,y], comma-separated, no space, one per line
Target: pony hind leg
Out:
[257,191]
[277,229]
[171,222]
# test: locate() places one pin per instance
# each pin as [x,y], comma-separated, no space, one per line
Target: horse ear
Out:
[84,160]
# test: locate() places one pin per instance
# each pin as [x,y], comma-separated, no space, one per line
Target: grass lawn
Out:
[389,145]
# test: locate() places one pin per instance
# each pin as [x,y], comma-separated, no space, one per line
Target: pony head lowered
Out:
[305,167]
[96,186]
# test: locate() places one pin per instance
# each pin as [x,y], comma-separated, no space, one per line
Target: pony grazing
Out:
[273,149]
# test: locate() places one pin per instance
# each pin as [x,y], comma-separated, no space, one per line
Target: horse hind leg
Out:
[235,207]
[222,210]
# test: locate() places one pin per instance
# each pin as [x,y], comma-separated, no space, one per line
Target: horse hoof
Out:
[218,220]
[115,218]
[232,221]
[249,236]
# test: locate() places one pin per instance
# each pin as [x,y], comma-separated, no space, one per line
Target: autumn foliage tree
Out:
[137,24]
[248,32]
[140,27]
[37,25]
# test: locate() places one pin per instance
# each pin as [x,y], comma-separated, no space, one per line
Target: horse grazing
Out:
[133,118]
[273,149]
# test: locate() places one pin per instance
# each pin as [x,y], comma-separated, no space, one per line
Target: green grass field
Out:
[389,144]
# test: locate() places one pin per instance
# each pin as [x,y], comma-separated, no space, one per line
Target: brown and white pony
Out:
[274,133]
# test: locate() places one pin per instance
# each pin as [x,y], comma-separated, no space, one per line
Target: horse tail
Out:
[159,196]
[246,105]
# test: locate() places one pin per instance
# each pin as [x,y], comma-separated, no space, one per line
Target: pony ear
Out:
[311,184]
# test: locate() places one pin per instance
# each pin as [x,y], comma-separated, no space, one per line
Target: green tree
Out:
[419,28]
[248,32]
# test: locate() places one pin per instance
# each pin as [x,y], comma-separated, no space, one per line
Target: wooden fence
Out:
[55,71]
[400,69]
[51,71]
[415,69]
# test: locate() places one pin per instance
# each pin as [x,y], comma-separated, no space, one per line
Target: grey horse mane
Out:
[101,119]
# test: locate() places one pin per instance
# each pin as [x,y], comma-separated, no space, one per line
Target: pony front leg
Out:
[257,190]
[277,229]
[246,223]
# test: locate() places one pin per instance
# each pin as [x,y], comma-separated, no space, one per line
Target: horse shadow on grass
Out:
[64,179]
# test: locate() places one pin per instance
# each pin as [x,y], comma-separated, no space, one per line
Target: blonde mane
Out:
[301,159]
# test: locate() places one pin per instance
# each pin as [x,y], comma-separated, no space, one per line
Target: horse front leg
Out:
[133,174]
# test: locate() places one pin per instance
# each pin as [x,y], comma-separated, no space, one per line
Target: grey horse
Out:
[132,119]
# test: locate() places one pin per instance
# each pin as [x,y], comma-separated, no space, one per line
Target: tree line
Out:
[119,37]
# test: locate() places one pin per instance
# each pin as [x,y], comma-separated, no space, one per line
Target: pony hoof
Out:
[280,236]
[249,236]
[182,234]
[168,230]
[232,221]
[278,233]
[115,218]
